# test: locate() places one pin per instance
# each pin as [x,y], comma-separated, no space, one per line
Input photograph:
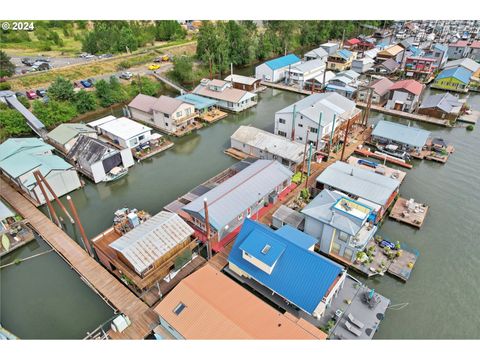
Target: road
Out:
[56,62]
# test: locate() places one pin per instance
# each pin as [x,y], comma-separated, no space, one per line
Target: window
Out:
[166,115]
[282,133]
[178,114]
[166,124]
[335,248]
[348,254]
[342,236]
[141,137]
[281,121]
[300,138]
[313,130]
[300,125]
[179,308]
[188,111]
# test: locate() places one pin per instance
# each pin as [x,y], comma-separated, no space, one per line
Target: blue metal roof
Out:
[459,73]
[264,248]
[198,101]
[298,237]
[282,61]
[400,133]
[301,276]
[345,54]
[440,47]
[415,51]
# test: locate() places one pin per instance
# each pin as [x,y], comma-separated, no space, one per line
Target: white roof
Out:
[101,121]
[240,79]
[309,66]
[274,144]
[153,239]
[124,128]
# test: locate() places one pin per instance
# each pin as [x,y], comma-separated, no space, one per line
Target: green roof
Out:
[65,132]
[22,155]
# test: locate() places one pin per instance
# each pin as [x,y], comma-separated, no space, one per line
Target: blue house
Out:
[284,262]
[276,70]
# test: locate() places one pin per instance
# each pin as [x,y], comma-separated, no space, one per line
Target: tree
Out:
[166,30]
[61,89]
[104,93]
[13,123]
[126,40]
[144,85]
[54,112]
[183,69]
[7,68]
[85,101]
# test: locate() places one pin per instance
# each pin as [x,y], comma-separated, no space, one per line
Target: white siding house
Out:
[276,70]
[124,132]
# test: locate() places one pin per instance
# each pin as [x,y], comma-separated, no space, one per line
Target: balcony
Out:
[185,119]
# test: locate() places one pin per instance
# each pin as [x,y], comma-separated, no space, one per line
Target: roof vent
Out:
[266,249]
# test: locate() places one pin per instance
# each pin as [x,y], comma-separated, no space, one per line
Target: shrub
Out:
[470,127]
[5,86]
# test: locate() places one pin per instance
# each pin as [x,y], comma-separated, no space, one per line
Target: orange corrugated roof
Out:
[218,308]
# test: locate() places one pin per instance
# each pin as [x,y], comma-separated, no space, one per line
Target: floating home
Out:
[244,82]
[442,106]
[241,196]
[20,157]
[209,305]
[149,252]
[64,136]
[381,91]
[97,159]
[261,144]
[283,263]
[343,226]
[374,190]
[407,138]
[405,95]
[321,114]
[227,97]
[122,132]
[276,70]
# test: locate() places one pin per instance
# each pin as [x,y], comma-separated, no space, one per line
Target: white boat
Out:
[116,173]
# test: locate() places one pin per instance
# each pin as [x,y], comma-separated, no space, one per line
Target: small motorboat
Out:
[116,173]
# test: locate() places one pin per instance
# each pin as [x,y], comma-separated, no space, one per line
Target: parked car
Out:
[105,56]
[126,75]
[86,83]
[154,67]
[89,56]
[19,94]
[31,94]
[28,61]
[42,60]
[41,92]
[158,59]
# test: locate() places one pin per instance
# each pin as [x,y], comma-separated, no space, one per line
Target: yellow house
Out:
[341,60]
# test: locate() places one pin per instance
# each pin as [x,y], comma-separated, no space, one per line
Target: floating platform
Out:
[213,116]
[470,118]
[408,212]
[236,154]
[167,144]
[387,158]
[378,168]
[19,234]
[400,266]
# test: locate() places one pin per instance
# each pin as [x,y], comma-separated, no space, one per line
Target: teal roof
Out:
[458,73]
[63,133]
[20,156]
[198,101]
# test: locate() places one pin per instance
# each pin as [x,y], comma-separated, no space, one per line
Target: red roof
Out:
[475,45]
[352,41]
[460,43]
[411,86]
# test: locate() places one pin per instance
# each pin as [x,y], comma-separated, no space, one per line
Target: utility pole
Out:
[309,165]
[47,199]
[86,242]
[207,228]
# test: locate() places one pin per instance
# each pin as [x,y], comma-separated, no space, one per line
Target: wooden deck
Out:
[285,87]
[414,218]
[407,115]
[106,285]
[236,154]
[390,159]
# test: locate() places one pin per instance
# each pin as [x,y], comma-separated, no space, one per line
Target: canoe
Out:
[5,242]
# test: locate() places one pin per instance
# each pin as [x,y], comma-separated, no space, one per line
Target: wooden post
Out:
[319,128]
[305,152]
[293,122]
[47,200]
[345,139]
[207,228]
[309,164]
[56,197]
[86,242]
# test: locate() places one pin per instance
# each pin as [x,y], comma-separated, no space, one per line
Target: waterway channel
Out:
[441,294]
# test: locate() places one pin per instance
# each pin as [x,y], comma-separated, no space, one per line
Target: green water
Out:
[443,290]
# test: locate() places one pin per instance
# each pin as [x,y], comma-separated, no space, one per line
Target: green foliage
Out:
[12,123]
[470,127]
[7,68]
[298,177]
[110,92]
[54,112]
[305,194]
[183,69]
[5,86]
[84,101]
[166,30]
[144,85]
[24,101]
[61,89]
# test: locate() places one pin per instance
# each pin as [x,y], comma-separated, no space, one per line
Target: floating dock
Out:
[281,86]
[387,158]
[409,212]
[142,318]
[470,118]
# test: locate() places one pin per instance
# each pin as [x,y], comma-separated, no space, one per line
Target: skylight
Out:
[265,249]
[179,308]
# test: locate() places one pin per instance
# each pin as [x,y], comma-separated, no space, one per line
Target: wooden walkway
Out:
[406,115]
[106,285]
[281,86]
